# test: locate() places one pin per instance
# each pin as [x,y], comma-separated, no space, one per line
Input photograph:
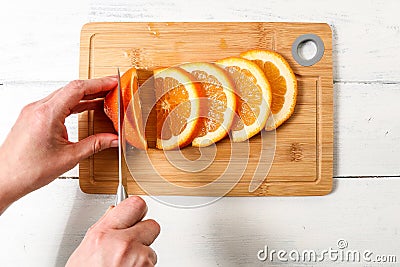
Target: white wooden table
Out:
[39,51]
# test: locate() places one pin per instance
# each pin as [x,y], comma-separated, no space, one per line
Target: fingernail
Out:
[114,143]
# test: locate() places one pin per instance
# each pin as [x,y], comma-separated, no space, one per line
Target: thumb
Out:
[95,143]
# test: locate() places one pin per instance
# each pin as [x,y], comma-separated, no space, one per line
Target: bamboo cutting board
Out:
[303,158]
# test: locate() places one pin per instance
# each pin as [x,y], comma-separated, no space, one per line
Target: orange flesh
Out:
[217,102]
[133,125]
[249,97]
[277,83]
[173,108]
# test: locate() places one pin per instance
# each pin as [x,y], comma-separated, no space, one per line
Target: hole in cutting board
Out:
[307,49]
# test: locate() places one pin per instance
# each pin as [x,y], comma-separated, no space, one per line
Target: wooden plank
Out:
[363,36]
[107,45]
[356,32]
[367,132]
[361,145]
[229,232]
[41,44]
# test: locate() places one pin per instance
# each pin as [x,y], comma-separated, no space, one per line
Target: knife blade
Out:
[121,192]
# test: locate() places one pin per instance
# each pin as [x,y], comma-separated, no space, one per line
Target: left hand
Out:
[37,149]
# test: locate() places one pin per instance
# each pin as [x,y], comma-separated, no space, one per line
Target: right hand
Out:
[119,238]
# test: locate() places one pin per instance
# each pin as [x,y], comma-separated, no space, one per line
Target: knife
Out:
[121,192]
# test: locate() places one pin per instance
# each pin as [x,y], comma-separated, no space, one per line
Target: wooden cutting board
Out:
[303,158]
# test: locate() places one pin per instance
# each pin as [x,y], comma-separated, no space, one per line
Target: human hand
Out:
[119,238]
[37,149]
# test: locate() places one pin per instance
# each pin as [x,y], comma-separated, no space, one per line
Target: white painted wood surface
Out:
[44,228]
[39,52]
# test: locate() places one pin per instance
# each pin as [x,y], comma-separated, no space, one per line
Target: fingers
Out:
[87,105]
[94,96]
[151,255]
[145,231]
[127,213]
[141,256]
[70,95]
[93,144]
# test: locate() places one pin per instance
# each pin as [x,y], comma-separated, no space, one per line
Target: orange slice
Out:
[177,108]
[221,101]
[253,97]
[282,81]
[133,129]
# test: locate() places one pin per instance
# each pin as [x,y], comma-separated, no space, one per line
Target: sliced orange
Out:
[253,97]
[283,84]
[218,88]
[133,125]
[177,107]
